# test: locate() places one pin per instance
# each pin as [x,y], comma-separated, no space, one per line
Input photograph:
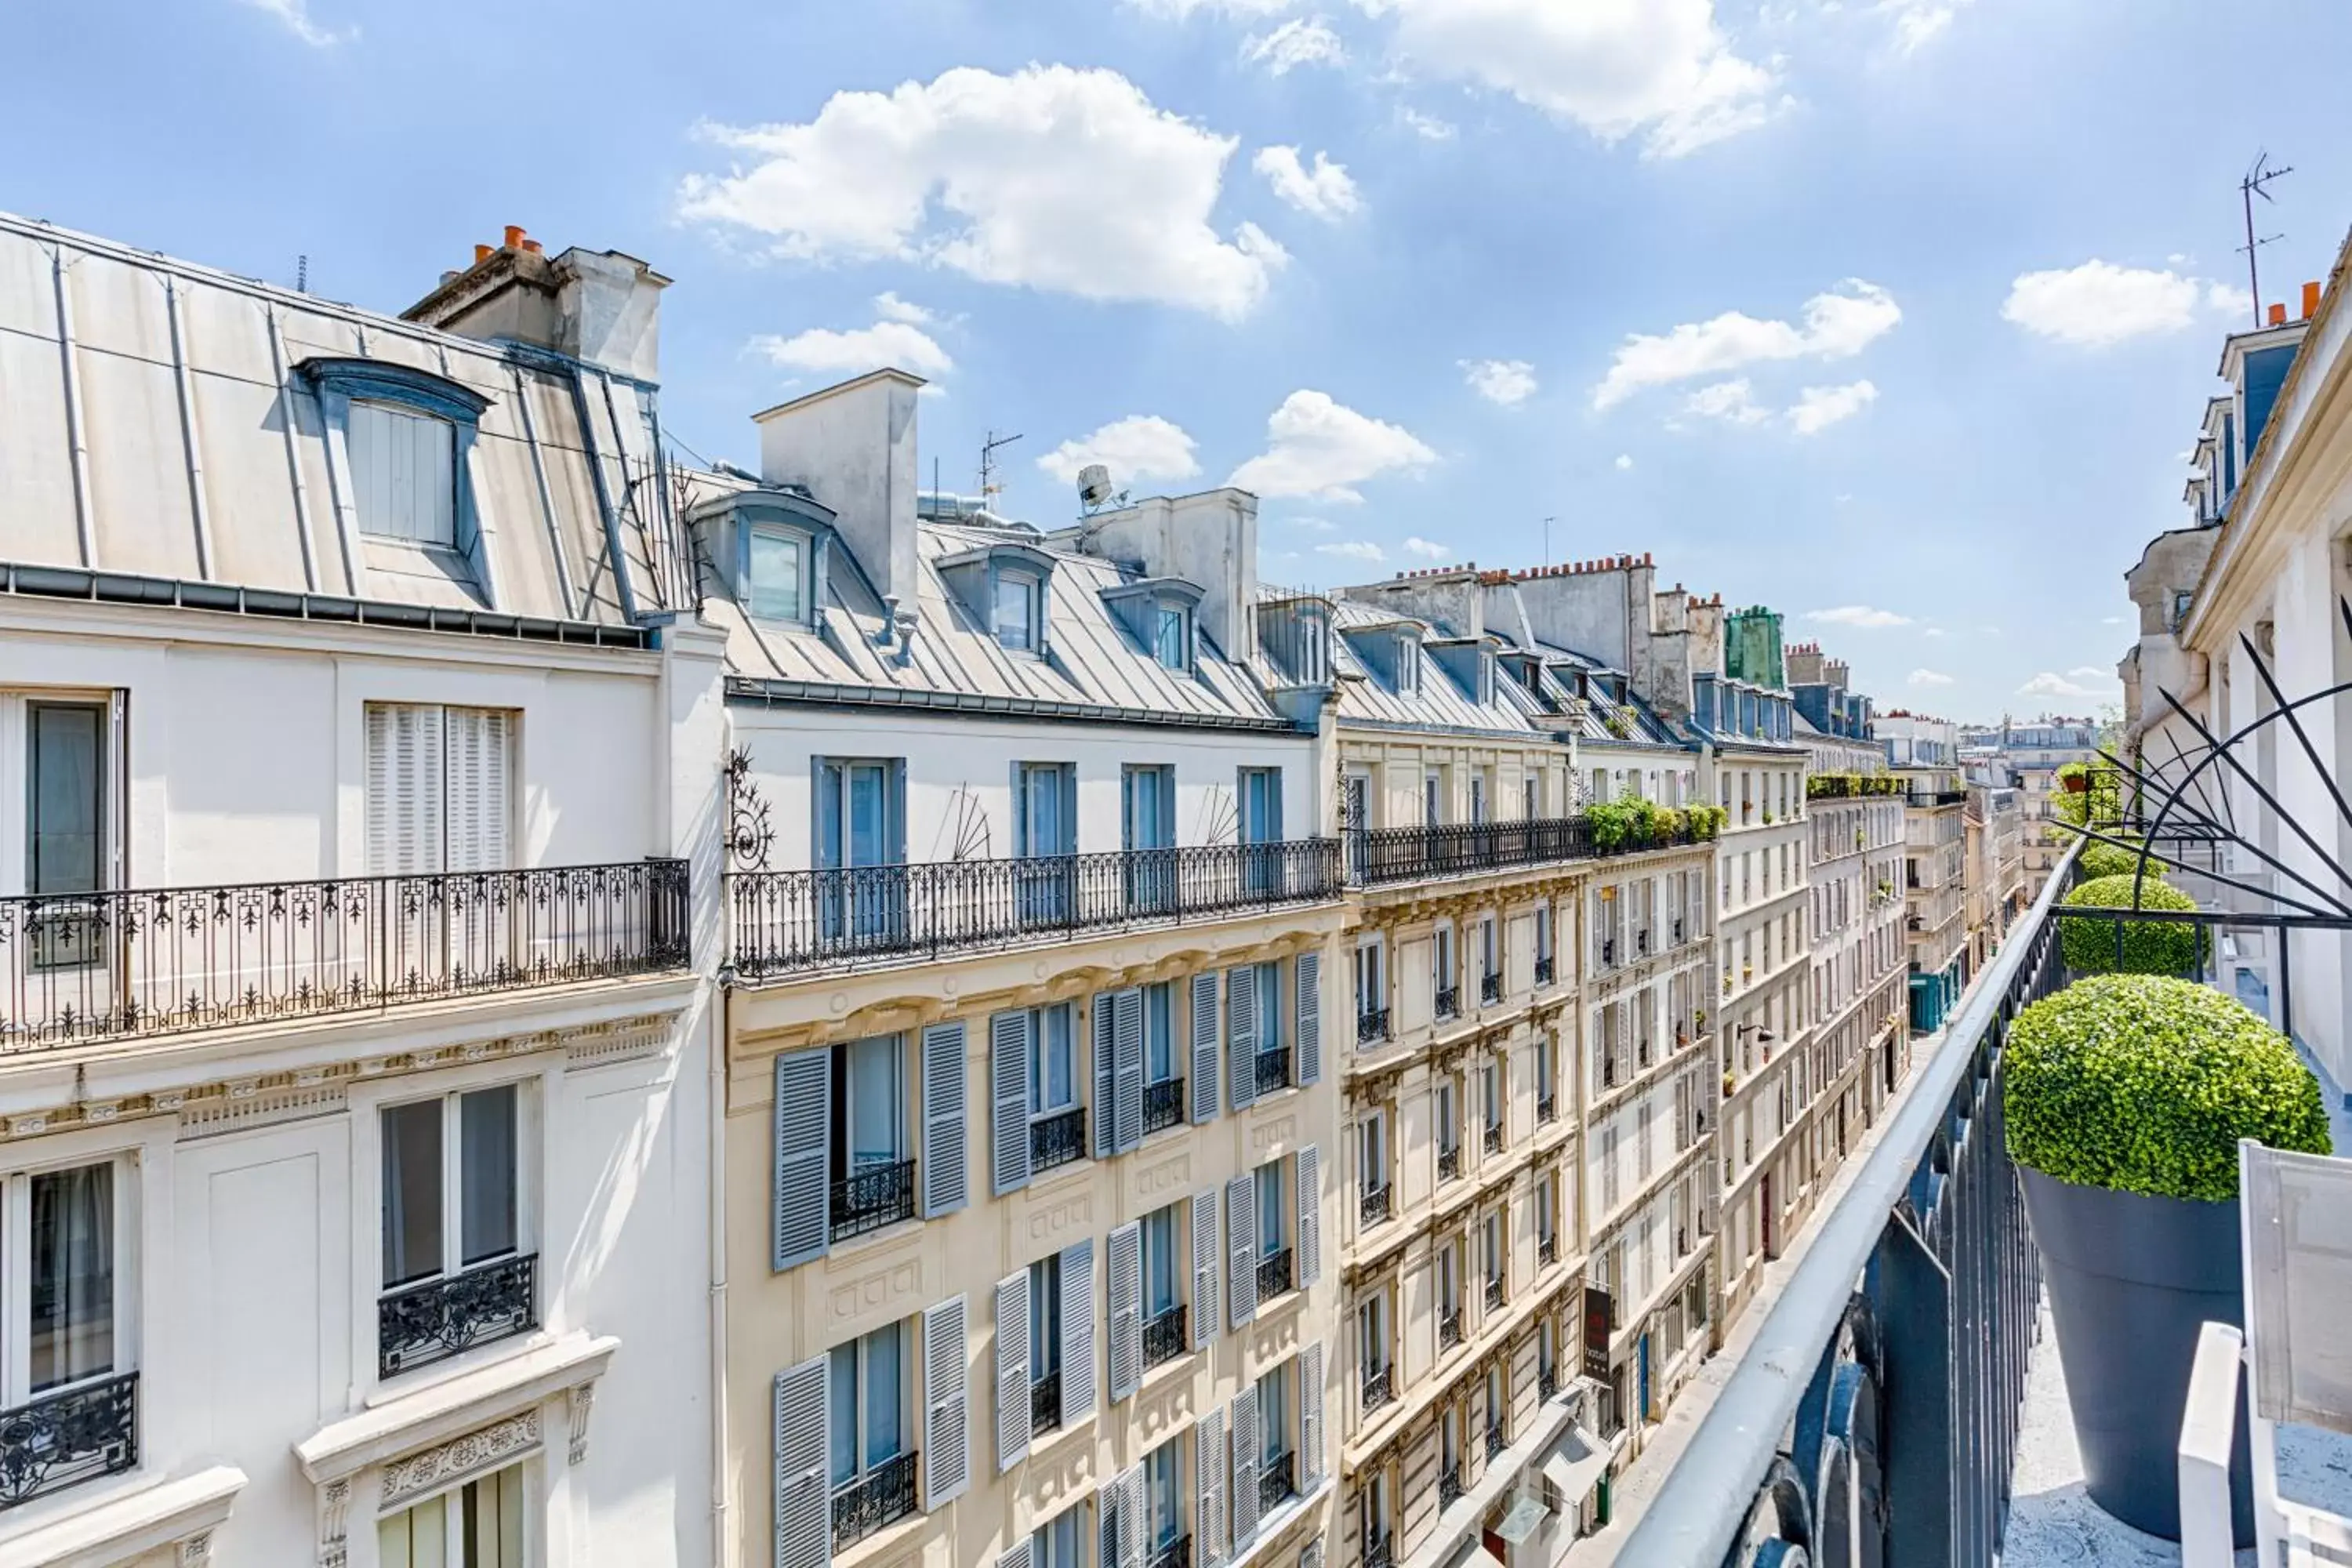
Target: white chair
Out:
[2295,1357]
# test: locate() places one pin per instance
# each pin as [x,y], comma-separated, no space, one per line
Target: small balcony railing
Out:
[417,1325]
[1497,1441]
[1548,1250]
[1449,1001]
[1547,1108]
[1449,1163]
[1045,1403]
[1273,1274]
[62,1439]
[77,967]
[1163,1337]
[1273,1072]
[789,921]
[1545,970]
[1547,1384]
[1608,952]
[1277,1482]
[1372,1026]
[1416,854]
[869,1199]
[1490,989]
[1380,1387]
[1177,1553]
[1494,1138]
[1163,1104]
[1495,1294]
[1449,1329]
[881,1496]
[1380,1552]
[1059,1138]
[1376,1205]
[1449,1487]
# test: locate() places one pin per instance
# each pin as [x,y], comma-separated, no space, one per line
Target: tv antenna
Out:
[988,488]
[1547,527]
[303,274]
[2253,185]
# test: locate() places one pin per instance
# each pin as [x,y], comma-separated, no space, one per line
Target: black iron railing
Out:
[1449,1328]
[62,1439]
[1449,1163]
[1045,1403]
[1375,1207]
[1608,952]
[1547,1108]
[1495,1294]
[872,1198]
[1272,1071]
[1380,1552]
[1449,1001]
[1937,797]
[1177,1553]
[1490,989]
[1547,1384]
[1059,1138]
[1545,968]
[1380,1387]
[1277,1482]
[417,1325]
[1371,1024]
[1497,1441]
[1449,1487]
[787,920]
[1494,1138]
[159,961]
[1163,1336]
[1273,1274]
[882,1496]
[1163,1104]
[1412,854]
[1548,1250]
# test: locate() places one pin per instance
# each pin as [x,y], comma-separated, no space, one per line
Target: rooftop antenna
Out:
[988,488]
[2253,185]
[1547,555]
[303,274]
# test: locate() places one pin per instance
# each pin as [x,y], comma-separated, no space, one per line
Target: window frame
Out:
[17,1231]
[399,409]
[527,1504]
[861,1348]
[1179,1273]
[338,382]
[1040,1075]
[804,543]
[527,1144]
[842,1114]
[1030,589]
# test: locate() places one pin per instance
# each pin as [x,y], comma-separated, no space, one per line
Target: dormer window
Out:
[1408,667]
[1018,616]
[404,474]
[776,575]
[1171,638]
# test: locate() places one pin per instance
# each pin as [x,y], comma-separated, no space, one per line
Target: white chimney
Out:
[852,446]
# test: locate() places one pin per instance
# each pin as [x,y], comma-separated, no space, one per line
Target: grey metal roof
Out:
[1439,703]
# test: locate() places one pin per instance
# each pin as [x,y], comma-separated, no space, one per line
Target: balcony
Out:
[1376,1205]
[1372,1026]
[1608,952]
[1546,1385]
[786,921]
[870,1199]
[1059,1138]
[1449,1163]
[1449,1002]
[881,1496]
[1273,1072]
[1547,1108]
[1380,1552]
[1163,1104]
[1379,1388]
[1548,1250]
[1177,1553]
[1277,1482]
[1490,990]
[1417,854]
[1544,970]
[1495,1294]
[420,1324]
[1449,1487]
[1449,1329]
[1492,1139]
[1045,1402]
[1497,1441]
[62,1439]
[82,967]
[1273,1274]
[1163,1337]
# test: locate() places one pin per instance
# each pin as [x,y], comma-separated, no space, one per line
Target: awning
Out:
[1577,1465]
[1525,1517]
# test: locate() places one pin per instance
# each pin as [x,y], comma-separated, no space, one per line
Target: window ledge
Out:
[103,1526]
[1271,1526]
[887,1543]
[398,1421]
[898,1230]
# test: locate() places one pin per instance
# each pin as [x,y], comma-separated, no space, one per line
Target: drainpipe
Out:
[722,1534]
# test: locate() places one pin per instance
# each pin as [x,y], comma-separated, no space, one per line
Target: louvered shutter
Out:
[1310,1216]
[804,1494]
[1110,1504]
[1241,1229]
[1311,1554]
[1012,1370]
[1105,1025]
[478,742]
[947,1405]
[1204,1267]
[1241,1035]
[947,1159]
[803,1096]
[1008,1121]
[1204,1046]
[1077,1333]
[1310,1418]
[1135,1518]
[404,786]
[1127,1048]
[1209,1489]
[1126,1266]
[1019,1557]
[1245,1439]
[1310,1018]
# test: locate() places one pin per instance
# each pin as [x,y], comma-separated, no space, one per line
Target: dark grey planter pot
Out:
[2132,1280]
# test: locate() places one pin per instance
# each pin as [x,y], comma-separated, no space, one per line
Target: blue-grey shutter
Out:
[1310,1418]
[1310,1016]
[1019,1556]
[803,1493]
[1012,1370]
[947,1405]
[1204,1046]
[1126,1272]
[1106,1023]
[1245,1439]
[1127,1049]
[1204,1267]
[947,1159]
[1241,1034]
[1135,1517]
[1208,1488]
[1241,1233]
[804,1101]
[1077,1333]
[1107,1501]
[1008,1078]
[1309,1244]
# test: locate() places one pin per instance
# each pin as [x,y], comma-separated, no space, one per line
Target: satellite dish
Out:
[1094,485]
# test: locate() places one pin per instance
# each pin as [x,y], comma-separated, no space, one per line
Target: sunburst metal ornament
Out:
[750,836]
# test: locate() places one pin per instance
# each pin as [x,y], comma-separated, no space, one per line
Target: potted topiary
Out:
[2124,1096]
[2106,945]
[2101,859]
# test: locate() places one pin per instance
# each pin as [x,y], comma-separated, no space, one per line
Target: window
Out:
[1371,991]
[1448,1131]
[1045,1325]
[59,1228]
[1163,1282]
[1164,1491]
[439,788]
[1447,971]
[1271,1210]
[1148,801]
[1531,796]
[1261,805]
[1432,796]
[1277,1472]
[1490,955]
[1372,1153]
[1498,1424]
[1543,941]
[1052,1061]
[777,579]
[871,1165]
[1491,1084]
[450,1197]
[1372,1334]
[1268,980]
[1546,1089]
[1494,1252]
[1372,1516]
[65,797]
[2181,599]
[1160,1062]
[1548,1214]
[1479,794]
[1019,617]
[476,1525]
[1060,1542]
[1171,641]
[860,832]
[404,474]
[1043,806]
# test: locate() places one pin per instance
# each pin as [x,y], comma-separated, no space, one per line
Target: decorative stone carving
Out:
[334,1502]
[195,1550]
[582,1398]
[481,1450]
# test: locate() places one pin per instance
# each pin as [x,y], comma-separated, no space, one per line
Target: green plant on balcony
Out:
[2085,796]
[2101,861]
[2107,946]
[1706,822]
[1619,725]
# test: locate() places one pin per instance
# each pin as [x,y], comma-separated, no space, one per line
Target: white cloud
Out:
[1859,616]
[856,351]
[1315,447]
[1818,407]
[1624,460]
[1930,678]
[1315,524]
[1510,382]
[1917,22]
[1049,178]
[892,307]
[1837,325]
[296,15]
[1362,550]
[1301,42]
[1933,632]
[1661,68]
[2051,684]
[1178,10]
[1429,549]
[1731,401]
[2228,301]
[1140,446]
[2090,672]
[2099,304]
[2111,620]
[1324,192]
[1428,127]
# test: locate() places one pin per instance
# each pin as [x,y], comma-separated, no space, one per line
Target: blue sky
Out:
[1800,296]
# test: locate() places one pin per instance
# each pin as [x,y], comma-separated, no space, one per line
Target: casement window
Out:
[1490,954]
[451,1200]
[1372,1521]
[868,1403]
[404,474]
[1547,1052]
[855,1150]
[1445,976]
[1548,1213]
[1496,1256]
[1053,1061]
[67,797]
[1061,1541]
[1449,1130]
[1543,944]
[1160,1243]
[860,812]
[1045,1349]
[1148,808]
[1371,991]
[478,1524]
[1276,1428]
[1171,638]
[1277,1265]
[1163,1059]
[1498,1425]
[848,1424]
[1373,1350]
[1372,1154]
[871,1163]
[63,1280]
[1490,1089]
[1259,799]
[1531,796]
[1432,797]
[1480,790]
[440,789]
[1259,1061]
[1163,1485]
[1018,610]
[1046,1340]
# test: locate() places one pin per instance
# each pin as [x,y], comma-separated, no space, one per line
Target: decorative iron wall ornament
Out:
[1221,817]
[968,821]
[750,835]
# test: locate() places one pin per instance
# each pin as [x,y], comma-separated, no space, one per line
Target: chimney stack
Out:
[599,306]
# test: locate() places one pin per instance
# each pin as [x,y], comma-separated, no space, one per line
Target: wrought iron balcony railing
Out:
[1495,1294]
[1490,989]
[1547,1384]
[1163,1104]
[1380,1387]
[1376,1205]
[62,1439]
[1380,1551]
[1277,1482]
[1059,1138]
[417,1325]
[1547,1108]
[869,1199]
[1449,1329]
[1544,969]
[77,967]
[1045,1402]
[790,921]
[882,1496]
[1494,1138]
[1177,1553]
[1449,1001]
[1548,1250]
[1608,952]
[1371,1024]
[1449,1486]
[1497,1441]
[1163,1337]
[1449,1163]
[1273,1274]
[1413,854]
[1272,1071]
